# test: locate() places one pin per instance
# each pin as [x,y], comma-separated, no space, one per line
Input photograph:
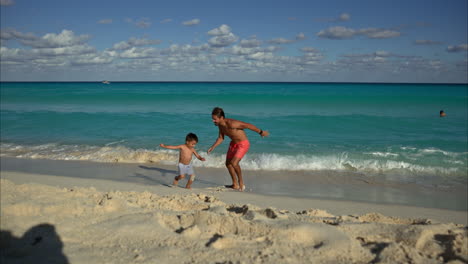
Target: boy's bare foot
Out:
[177,179]
[189,185]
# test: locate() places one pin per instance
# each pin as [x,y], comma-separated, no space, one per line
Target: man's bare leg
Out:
[237,169]
[177,179]
[233,173]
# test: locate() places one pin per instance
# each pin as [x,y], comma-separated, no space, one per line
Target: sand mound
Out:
[83,225]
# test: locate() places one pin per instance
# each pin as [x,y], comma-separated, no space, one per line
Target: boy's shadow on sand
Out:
[40,244]
[165,173]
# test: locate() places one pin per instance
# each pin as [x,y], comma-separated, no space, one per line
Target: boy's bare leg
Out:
[177,179]
[233,173]
[190,181]
[189,184]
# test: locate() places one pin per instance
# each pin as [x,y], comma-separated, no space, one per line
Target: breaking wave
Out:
[373,162]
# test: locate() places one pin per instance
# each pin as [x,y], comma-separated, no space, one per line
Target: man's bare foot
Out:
[242,188]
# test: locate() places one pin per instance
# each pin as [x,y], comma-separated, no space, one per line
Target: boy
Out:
[185,158]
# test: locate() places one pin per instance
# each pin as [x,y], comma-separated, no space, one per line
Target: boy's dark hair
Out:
[191,136]
[218,111]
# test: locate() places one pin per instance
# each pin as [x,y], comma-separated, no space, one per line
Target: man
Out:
[239,145]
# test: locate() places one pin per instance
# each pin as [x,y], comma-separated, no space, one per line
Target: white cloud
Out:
[6,2]
[250,43]
[92,60]
[105,21]
[281,41]
[134,42]
[378,33]
[13,34]
[138,53]
[344,17]
[337,33]
[192,22]
[70,50]
[308,50]
[261,56]
[222,41]
[300,36]
[382,53]
[220,31]
[458,48]
[426,42]
[223,37]
[142,22]
[51,40]
[167,20]
[347,33]
[11,55]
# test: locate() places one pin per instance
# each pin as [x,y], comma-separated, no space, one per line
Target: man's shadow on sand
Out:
[40,244]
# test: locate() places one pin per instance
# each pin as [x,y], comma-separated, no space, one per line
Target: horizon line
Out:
[291,82]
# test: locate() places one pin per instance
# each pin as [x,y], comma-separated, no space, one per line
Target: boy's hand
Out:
[162,145]
[202,159]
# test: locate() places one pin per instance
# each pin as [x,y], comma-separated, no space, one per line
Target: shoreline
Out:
[322,185]
[264,189]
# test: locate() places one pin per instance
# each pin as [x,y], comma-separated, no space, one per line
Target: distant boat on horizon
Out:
[106,82]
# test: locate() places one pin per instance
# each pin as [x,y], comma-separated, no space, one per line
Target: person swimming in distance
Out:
[442,113]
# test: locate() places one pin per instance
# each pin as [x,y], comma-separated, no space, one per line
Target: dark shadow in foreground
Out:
[40,244]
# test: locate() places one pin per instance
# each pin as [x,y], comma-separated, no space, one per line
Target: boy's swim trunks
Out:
[238,149]
[185,169]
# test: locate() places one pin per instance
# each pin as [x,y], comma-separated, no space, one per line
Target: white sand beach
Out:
[66,218]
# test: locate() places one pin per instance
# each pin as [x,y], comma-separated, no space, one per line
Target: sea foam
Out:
[373,163]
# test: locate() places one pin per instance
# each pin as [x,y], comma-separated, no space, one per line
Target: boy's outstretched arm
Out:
[169,147]
[198,156]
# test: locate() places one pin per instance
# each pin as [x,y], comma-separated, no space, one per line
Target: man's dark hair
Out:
[218,111]
[191,136]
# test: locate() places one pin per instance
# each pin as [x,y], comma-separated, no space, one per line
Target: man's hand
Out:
[209,150]
[265,133]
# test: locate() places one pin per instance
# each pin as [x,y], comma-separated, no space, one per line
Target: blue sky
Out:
[317,41]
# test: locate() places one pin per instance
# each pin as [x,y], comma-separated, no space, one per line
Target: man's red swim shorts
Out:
[238,149]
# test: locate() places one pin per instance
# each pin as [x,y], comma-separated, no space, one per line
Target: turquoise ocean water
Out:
[385,130]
